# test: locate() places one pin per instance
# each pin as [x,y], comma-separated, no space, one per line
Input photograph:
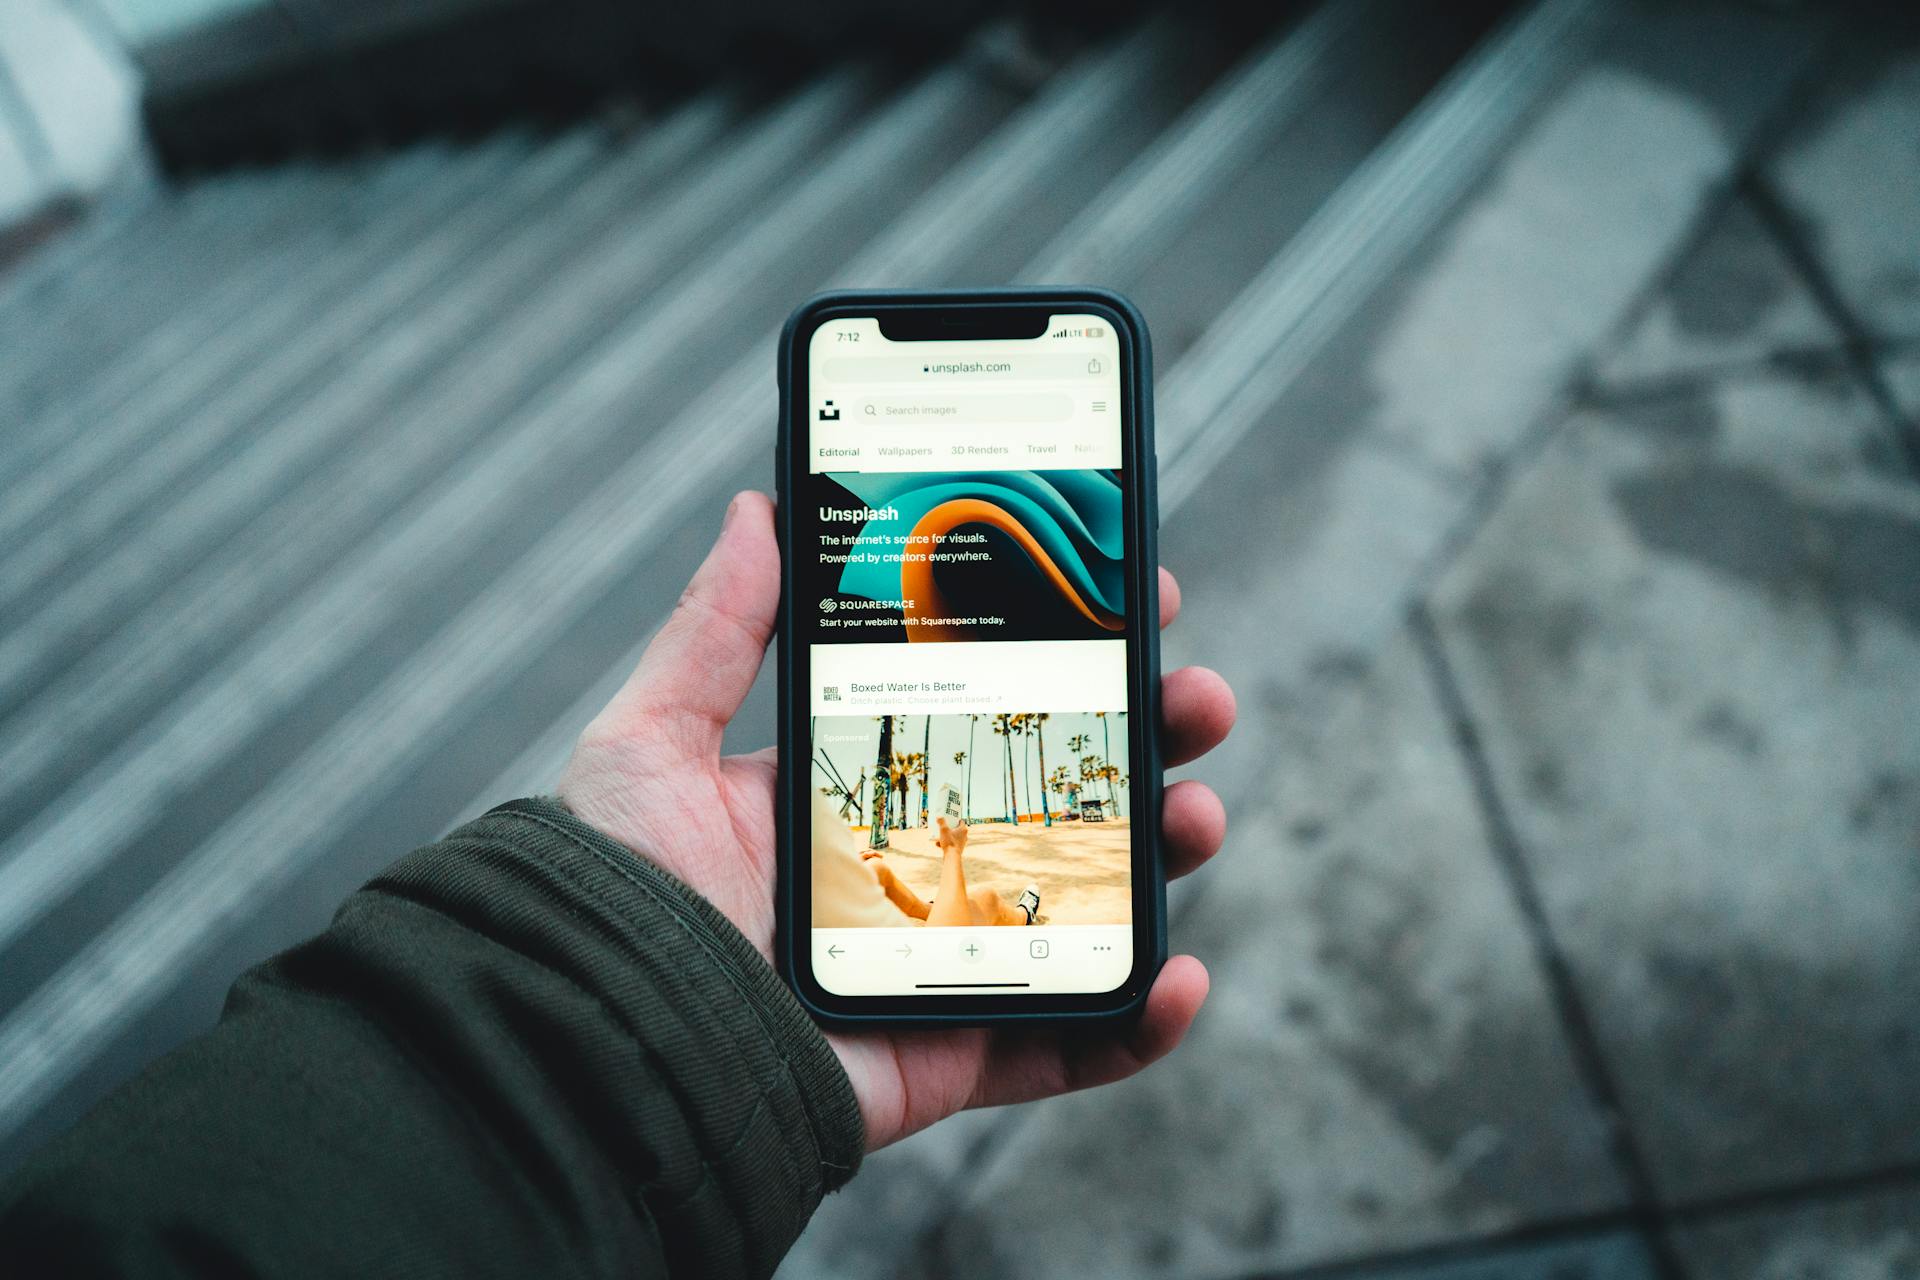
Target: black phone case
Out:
[791,935]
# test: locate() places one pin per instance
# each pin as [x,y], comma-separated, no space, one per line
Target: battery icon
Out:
[1094,331]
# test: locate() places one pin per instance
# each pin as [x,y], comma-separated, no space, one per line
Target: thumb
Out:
[699,667]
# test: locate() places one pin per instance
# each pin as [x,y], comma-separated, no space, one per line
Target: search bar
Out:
[964,410]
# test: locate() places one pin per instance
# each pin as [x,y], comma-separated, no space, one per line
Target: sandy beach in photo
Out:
[1081,867]
[985,768]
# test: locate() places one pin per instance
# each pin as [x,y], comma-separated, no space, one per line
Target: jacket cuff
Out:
[767,1099]
[816,1068]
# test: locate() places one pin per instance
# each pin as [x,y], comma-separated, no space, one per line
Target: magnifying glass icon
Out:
[871,412]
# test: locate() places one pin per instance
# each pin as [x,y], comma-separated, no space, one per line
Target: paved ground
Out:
[1541,421]
[1569,923]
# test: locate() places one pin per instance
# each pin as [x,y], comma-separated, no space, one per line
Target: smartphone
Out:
[969,792]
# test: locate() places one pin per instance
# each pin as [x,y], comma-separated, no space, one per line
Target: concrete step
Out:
[347,624]
[1299,548]
[426,419]
[348,604]
[180,243]
[166,750]
[87,490]
[169,335]
[304,646]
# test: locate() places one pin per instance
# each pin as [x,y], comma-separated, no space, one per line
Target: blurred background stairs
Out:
[347,464]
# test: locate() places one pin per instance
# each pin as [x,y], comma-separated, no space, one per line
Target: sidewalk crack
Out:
[1563,990]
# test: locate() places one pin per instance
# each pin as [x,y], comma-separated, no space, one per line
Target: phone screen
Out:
[961,599]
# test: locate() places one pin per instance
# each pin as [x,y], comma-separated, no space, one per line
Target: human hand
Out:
[648,771]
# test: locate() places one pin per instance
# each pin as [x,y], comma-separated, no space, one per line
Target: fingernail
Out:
[726,521]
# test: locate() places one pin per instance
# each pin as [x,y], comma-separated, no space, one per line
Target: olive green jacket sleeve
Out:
[522,1051]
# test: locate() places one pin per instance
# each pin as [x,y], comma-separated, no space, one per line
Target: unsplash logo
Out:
[830,514]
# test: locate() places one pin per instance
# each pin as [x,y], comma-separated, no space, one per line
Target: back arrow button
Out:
[834,951]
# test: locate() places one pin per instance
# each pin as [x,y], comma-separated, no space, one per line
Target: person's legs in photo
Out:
[957,908]
[896,889]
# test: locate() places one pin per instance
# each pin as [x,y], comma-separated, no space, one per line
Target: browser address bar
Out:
[949,369]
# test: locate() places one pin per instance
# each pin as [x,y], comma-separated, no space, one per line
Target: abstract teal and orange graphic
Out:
[992,554]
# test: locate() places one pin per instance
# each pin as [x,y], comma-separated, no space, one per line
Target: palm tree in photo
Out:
[850,796]
[1040,718]
[897,789]
[1078,744]
[1003,725]
[1090,770]
[1106,754]
[1063,784]
[926,755]
[903,769]
[1021,721]
[882,760]
[966,800]
[837,788]
[896,808]
[834,791]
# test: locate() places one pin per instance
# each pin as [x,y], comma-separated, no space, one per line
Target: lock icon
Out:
[1093,366]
